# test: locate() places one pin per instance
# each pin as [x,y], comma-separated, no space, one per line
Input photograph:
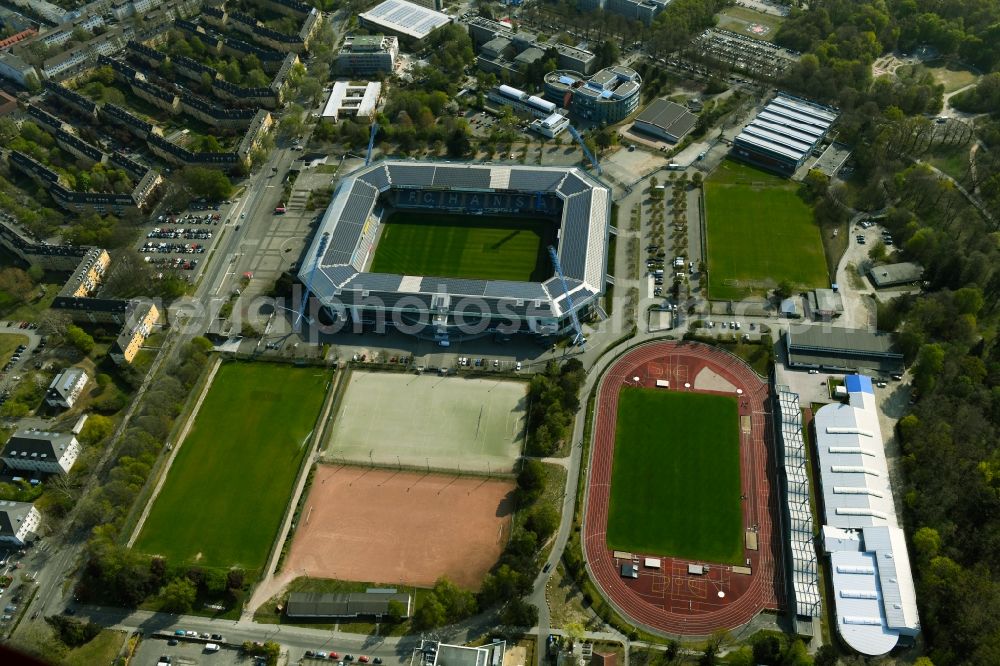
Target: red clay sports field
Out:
[670,599]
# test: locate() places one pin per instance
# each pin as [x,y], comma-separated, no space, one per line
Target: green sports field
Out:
[465,246]
[760,233]
[675,481]
[227,490]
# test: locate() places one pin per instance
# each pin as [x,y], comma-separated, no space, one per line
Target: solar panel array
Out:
[461,177]
[350,223]
[572,185]
[377,178]
[539,180]
[406,17]
[805,573]
[411,175]
[575,234]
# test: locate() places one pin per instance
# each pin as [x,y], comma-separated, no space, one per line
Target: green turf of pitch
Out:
[228,488]
[760,231]
[465,246]
[675,483]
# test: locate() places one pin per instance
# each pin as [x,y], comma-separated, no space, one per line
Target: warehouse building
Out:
[404,19]
[891,275]
[665,120]
[784,134]
[874,600]
[842,350]
[609,96]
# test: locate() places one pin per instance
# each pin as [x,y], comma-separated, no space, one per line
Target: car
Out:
[363,659]
[321,655]
[217,637]
[547,568]
[377,660]
[192,634]
[164,659]
[242,215]
[180,632]
[517,366]
[348,657]
[172,641]
[334,655]
[813,371]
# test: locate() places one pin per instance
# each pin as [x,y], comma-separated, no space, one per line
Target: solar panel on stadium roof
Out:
[537,180]
[576,230]
[414,176]
[573,185]
[461,177]
[438,285]
[776,137]
[338,275]
[523,290]
[756,142]
[375,282]
[377,178]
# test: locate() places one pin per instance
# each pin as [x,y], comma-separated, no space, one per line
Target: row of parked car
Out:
[170,232]
[320,654]
[176,248]
[179,263]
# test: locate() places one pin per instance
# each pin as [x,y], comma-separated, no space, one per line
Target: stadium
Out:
[443,249]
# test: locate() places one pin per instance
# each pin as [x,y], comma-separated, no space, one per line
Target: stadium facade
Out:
[337,266]
[784,134]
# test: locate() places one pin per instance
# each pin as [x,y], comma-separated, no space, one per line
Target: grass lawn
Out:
[952,76]
[759,233]
[675,483]
[465,246]
[952,161]
[9,343]
[228,488]
[739,19]
[103,649]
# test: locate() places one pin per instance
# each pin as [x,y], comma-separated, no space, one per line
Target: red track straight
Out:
[669,599]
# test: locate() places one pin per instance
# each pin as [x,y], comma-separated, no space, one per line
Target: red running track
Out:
[669,599]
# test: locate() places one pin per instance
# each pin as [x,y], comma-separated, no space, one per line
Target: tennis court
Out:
[453,423]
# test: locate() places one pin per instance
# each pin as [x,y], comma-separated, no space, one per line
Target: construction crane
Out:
[371,144]
[320,249]
[579,339]
[586,151]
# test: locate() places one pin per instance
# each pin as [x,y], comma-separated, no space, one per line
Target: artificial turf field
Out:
[675,480]
[465,246]
[760,233]
[229,485]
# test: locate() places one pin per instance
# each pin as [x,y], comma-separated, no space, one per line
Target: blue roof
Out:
[859,384]
[567,80]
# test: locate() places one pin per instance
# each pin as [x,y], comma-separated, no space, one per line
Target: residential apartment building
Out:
[139,326]
[66,388]
[39,451]
[19,522]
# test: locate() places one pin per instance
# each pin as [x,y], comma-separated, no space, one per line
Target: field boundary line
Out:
[182,435]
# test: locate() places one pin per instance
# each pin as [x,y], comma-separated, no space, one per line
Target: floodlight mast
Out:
[579,338]
[586,151]
[371,143]
[320,249]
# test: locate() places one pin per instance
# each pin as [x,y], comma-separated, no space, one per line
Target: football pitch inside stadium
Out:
[675,481]
[760,233]
[465,246]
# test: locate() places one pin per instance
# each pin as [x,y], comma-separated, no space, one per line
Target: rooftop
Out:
[668,116]
[405,18]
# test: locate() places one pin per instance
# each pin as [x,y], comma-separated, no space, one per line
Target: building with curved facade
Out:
[609,96]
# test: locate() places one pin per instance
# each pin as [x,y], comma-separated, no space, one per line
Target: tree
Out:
[519,613]
[784,289]
[208,183]
[458,143]
[16,284]
[430,613]
[531,478]
[543,521]
[178,595]
[96,429]
[79,338]
[397,611]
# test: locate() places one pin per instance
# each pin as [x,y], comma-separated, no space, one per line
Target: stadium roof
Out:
[405,18]
[788,127]
[345,239]
[874,595]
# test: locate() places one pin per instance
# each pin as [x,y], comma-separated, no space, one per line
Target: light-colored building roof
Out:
[405,18]
[359,99]
[874,595]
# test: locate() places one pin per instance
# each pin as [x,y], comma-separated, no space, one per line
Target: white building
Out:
[404,19]
[551,126]
[66,388]
[874,597]
[522,102]
[18,522]
[367,55]
[39,451]
[351,100]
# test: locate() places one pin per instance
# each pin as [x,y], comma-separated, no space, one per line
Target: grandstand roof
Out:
[405,18]
[345,238]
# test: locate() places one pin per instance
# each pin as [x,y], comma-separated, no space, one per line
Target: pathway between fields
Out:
[177,447]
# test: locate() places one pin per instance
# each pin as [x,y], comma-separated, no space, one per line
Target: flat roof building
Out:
[891,275]
[609,96]
[18,522]
[522,101]
[784,134]
[351,100]
[842,349]
[345,605]
[405,19]
[665,120]
[366,55]
[66,388]
[874,599]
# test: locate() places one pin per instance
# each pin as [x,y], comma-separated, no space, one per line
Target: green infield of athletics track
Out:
[759,231]
[478,247]
[675,480]
[227,490]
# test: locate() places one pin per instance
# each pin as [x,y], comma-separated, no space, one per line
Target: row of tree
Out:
[554,401]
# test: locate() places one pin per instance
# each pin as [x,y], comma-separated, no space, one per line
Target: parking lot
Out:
[180,241]
[185,653]
[757,58]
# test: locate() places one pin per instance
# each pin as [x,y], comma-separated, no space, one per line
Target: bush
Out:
[72,632]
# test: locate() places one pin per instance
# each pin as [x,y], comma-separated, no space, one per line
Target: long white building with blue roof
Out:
[875,600]
[784,134]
